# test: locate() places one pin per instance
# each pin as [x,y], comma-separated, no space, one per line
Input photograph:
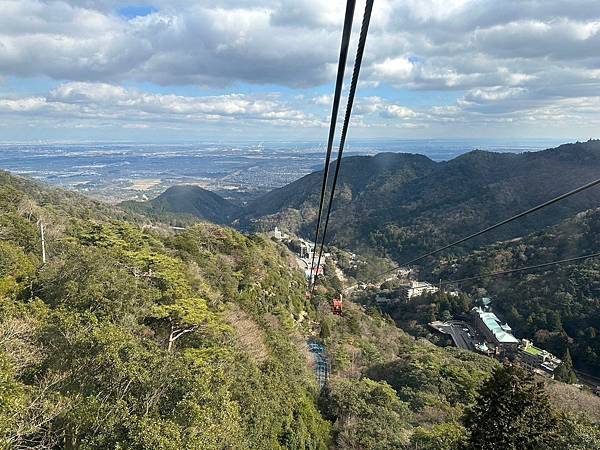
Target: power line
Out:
[357,65]
[493,227]
[522,269]
[350,6]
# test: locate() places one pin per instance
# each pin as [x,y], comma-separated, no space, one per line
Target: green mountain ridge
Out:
[187,200]
[401,213]
[400,205]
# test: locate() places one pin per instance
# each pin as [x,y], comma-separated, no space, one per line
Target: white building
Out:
[278,234]
[495,332]
[538,360]
[416,288]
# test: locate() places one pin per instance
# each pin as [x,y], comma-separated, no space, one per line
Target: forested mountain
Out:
[400,205]
[58,204]
[557,307]
[294,206]
[186,200]
[138,337]
[132,338]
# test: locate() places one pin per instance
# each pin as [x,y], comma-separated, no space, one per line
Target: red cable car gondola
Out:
[337,306]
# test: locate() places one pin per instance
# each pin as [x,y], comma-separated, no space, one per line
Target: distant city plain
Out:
[123,171]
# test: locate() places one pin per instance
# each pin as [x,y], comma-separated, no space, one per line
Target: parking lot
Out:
[463,334]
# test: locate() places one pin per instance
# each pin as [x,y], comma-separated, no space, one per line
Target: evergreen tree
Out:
[565,371]
[554,321]
[512,413]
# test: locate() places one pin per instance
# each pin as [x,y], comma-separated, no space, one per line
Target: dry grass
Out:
[249,336]
[574,400]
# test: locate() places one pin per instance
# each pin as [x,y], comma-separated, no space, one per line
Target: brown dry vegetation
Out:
[249,336]
[574,400]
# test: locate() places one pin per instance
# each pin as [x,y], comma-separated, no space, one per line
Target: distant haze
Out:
[237,171]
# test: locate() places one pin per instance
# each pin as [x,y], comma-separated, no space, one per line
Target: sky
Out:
[177,70]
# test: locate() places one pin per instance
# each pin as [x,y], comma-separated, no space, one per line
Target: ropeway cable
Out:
[357,65]
[522,269]
[493,227]
[350,6]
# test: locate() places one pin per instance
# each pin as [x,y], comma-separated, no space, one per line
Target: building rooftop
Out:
[493,324]
[533,350]
[420,284]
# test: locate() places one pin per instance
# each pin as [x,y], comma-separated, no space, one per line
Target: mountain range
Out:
[399,205]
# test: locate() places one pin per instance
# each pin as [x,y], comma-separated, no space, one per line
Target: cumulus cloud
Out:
[498,57]
[81,100]
[395,69]
[383,108]
[414,43]
[195,43]
[102,104]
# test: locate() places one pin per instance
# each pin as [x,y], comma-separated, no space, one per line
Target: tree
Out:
[366,414]
[554,321]
[445,436]
[565,371]
[184,316]
[512,413]
[579,434]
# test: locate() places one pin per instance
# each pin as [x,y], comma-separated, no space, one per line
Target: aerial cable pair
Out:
[350,6]
[520,215]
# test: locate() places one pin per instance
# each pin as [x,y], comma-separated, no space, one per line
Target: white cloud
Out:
[383,108]
[394,69]
[496,93]
[136,126]
[399,111]
[323,100]
[414,44]
[499,57]
[79,100]
[23,104]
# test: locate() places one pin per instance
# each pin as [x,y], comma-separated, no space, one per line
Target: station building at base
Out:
[495,332]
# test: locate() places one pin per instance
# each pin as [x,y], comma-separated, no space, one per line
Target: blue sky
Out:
[174,70]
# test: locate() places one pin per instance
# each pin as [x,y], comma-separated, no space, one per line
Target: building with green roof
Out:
[497,333]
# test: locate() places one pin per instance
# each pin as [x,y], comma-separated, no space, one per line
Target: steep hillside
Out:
[294,206]
[131,338]
[190,201]
[137,337]
[57,204]
[401,205]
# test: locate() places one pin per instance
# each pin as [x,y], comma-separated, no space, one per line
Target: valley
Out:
[299,225]
[392,207]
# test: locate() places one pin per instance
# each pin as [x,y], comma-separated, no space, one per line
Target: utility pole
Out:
[43,242]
